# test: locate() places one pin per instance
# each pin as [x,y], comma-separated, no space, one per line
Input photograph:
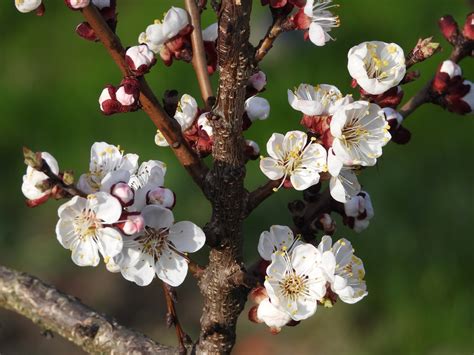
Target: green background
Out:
[417,250]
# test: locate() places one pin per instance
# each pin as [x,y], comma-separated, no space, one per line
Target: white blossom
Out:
[343,270]
[377,66]
[105,159]
[150,175]
[124,98]
[361,210]
[34,181]
[185,114]
[209,34]
[295,282]
[27,5]
[322,20]
[293,157]
[343,184]
[204,124]
[277,239]
[450,68]
[360,131]
[392,117]
[101,4]
[257,108]
[83,228]
[272,316]
[319,100]
[160,250]
[141,58]
[159,33]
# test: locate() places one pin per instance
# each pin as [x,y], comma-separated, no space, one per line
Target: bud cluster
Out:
[123,98]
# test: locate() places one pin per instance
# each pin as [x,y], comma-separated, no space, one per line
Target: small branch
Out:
[172,318]
[279,25]
[199,55]
[259,195]
[420,98]
[56,180]
[150,104]
[195,269]
[65,315]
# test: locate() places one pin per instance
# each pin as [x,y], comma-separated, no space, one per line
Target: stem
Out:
[224,296]
[420,98]
[172,318]
[68,317]
[150,104]
[277,27]
[259,195]
[199,55]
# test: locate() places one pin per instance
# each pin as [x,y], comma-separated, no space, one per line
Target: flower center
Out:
[293,286]
[353,134]
[86,224]
[322,16]
[153,241]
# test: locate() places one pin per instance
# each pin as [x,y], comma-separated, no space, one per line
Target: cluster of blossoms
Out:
[299,276]
[123,213]
[197,128]
[345,135]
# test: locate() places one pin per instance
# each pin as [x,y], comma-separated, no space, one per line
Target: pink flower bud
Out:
[85,31]
[77,4]
[468,30]
[328,224]
[123,193]
[133,224]
[140,59]
[161,196]
[124,98]
[258,81]
[448,27]
[107,101]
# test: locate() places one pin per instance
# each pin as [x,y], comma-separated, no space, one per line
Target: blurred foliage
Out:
[417,250]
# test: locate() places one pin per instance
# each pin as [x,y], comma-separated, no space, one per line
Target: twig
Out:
[195,269]
[65,315]
[172,318]
[421,97]
[199,55]
[56,180]
[260,194]
[279,25]
[150,104]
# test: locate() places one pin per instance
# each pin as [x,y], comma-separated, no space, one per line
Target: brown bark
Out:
[224,298]
[68,317]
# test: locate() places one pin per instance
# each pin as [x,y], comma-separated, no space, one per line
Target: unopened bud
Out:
[258,294]
[328,224]
[257,108]
[68,177]
[468,30]
[253,315]
[423,50]
[449,28]
[258,81]
[124,98]
[133,224]
[252,150]
[25,6]
[77,4]
[140,59]
[161,196]
[32,159]
[393,117]
[123,193]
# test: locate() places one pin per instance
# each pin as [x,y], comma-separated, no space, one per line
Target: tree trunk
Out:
[224,297]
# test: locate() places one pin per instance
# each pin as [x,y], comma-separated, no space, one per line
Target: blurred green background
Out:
[417,250]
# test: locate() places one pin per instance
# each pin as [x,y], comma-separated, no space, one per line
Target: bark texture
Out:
[224,296]
[68,317]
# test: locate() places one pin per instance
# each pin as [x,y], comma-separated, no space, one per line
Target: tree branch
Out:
[260,194]
[420,98]
[199,55]
[279,25]
[68,317]
[150,104]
